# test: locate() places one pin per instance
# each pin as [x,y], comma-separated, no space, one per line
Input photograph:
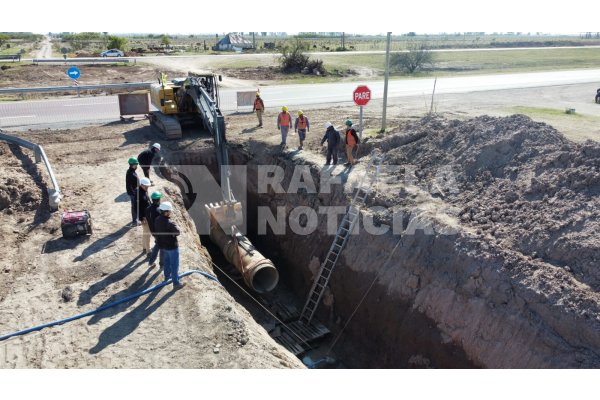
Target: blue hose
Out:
[99,309]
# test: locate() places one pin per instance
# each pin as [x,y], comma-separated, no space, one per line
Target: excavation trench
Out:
[497,270]
[382,329]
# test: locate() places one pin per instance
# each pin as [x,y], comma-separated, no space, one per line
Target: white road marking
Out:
[19,116]
[88,104]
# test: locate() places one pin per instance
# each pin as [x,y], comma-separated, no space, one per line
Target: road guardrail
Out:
[108,86]
[81,60]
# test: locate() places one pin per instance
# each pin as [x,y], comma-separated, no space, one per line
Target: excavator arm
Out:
[203,92]
[198,95]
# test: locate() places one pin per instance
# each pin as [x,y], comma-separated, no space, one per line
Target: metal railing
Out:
[50,89]
[81,60]
[54,193]
[12,57]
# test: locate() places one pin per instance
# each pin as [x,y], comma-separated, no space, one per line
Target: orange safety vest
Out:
[284,119]
[257,104]
[350,138]
[302,122]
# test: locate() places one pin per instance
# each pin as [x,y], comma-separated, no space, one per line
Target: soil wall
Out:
[438,295]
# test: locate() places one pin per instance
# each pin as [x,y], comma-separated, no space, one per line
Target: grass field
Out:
[580,127]
[398,42]
[371,66]
[485,61]
[447,63]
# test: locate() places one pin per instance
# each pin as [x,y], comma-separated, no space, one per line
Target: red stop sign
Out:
[361,95]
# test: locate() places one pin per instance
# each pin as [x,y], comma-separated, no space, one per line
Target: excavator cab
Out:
[162,97]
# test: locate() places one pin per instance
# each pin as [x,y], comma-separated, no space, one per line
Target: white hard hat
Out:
[165,206]
[156,146]
[145,182]
[328,124]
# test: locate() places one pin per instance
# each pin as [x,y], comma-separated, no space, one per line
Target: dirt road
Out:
[46,50]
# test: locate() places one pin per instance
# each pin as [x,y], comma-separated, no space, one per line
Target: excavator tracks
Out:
[169,126]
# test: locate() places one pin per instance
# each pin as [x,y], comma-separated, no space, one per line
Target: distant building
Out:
[233,42]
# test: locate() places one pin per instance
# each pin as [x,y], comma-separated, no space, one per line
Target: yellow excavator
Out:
[193,100]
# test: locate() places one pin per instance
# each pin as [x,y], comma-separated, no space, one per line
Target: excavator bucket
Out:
[226,214]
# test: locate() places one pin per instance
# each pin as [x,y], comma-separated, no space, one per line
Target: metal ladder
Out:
[342,236]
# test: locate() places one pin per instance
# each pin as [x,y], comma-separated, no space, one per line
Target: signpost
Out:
[361,96]
[74,73]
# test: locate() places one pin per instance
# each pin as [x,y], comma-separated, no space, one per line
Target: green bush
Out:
[117,42]
[411,61]
[316,65]
[293,59]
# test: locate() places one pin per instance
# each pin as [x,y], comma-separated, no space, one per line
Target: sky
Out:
[352,16]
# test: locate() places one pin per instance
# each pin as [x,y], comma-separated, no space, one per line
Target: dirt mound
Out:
[31,75]
[516,181]
[16,194]
[258,73]
[18,190]
[498,146]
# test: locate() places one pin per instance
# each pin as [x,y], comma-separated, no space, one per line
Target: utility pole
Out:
[387,77]
[432,95]
[343,44]
[253,41]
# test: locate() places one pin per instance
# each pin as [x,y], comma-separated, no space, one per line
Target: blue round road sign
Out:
[74,73]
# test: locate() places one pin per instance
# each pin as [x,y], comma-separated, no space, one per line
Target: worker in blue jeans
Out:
[284,124]
[151,214]
[166,234]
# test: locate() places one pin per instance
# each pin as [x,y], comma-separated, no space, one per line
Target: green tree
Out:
[165,40]
[292,57]
[417,56]
[117,42]
[3,39]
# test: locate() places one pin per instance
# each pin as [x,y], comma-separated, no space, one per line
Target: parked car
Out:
[112,53]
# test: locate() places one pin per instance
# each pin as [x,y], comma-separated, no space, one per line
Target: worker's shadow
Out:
[250,130]
[130,321]
[138,135]
[345,173]
[86,296]
[142,283]
[122,198]
[102,243]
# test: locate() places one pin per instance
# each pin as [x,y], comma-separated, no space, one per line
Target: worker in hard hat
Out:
[259,107]
[332,137]
[301,126]
[284,124]
[151,214]
[352,142]
[143,201]
[166,234]
[146,157]
[131,186]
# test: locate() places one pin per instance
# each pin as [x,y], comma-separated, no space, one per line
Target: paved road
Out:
[59,111]
[104,109]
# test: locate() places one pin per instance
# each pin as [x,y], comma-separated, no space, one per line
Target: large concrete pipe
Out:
[258,272]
